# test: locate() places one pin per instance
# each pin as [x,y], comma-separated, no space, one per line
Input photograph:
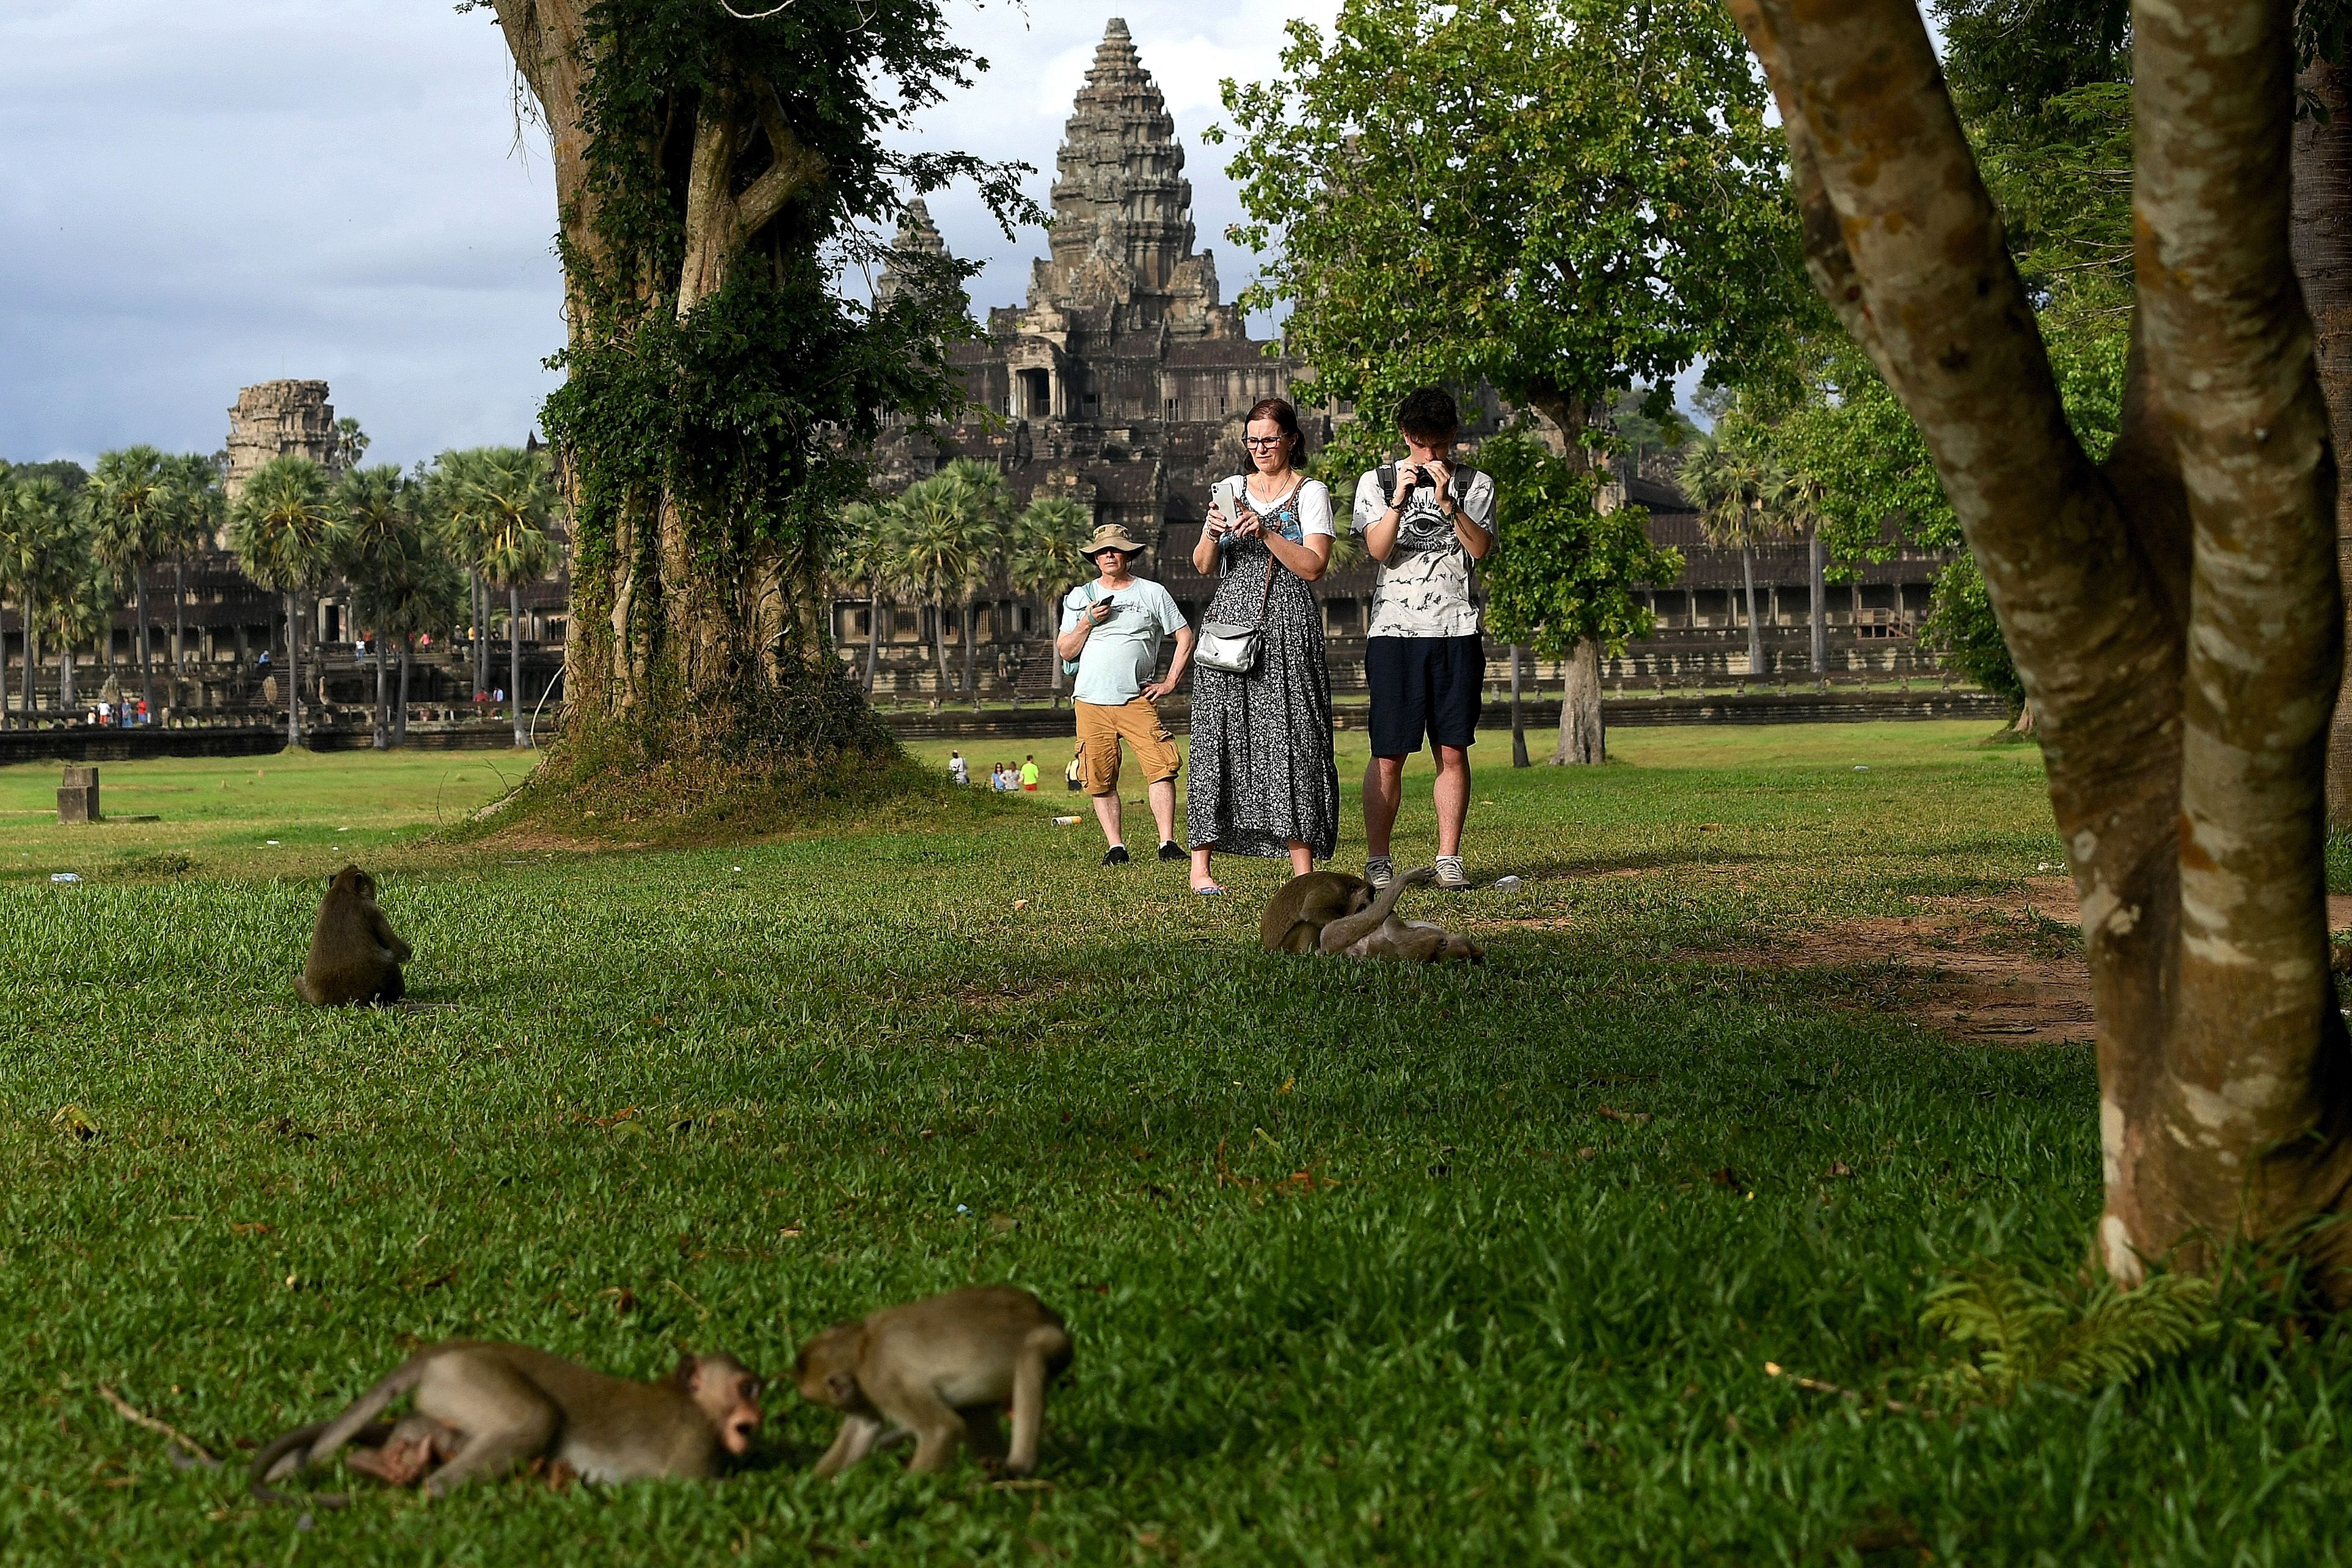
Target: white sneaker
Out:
[1380,871]
[1450,874]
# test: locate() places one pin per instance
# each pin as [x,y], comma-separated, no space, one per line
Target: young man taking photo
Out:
[1112,627]
[1424,520]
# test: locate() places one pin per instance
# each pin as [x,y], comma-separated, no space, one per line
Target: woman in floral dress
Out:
[1262,781]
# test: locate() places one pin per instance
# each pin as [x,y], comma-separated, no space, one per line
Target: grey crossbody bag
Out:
[1234,649]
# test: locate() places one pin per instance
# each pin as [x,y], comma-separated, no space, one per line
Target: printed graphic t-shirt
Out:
[1121,654]
[1425,587]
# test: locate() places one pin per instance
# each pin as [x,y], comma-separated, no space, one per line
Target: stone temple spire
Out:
[1121,202]
[917,236]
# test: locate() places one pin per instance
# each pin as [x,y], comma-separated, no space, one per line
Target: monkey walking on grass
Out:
[354,957]
[1332,913]
[940,1369]
[486,1408]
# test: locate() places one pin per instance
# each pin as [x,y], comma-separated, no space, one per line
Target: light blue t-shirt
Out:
[1121,654]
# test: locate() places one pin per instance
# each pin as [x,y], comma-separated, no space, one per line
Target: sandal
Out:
[1211,890]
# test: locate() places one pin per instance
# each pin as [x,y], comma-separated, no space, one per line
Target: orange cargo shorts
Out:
[1137,722]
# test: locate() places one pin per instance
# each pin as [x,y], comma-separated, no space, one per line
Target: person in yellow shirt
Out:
[1029,772]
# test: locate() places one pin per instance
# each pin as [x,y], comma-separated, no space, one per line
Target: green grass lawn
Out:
[1357,1267]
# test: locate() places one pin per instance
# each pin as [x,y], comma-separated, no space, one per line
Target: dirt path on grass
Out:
[1998,968]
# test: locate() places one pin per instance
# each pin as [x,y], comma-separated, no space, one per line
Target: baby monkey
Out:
[486,1408]
[940,1369]
[1330,912]
[354,957]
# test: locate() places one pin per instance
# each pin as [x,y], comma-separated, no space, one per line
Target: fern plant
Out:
[2022,1332]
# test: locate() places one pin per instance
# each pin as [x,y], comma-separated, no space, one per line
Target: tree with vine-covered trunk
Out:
[712,176]
[2174,610]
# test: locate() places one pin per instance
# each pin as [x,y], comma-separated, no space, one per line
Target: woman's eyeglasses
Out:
[1262,443]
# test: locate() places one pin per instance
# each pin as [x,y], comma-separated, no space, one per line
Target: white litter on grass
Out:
[1506,883]
[961,1209]
[65,876]
[1862,768]
[734,868]
[1065,821]
[269,840]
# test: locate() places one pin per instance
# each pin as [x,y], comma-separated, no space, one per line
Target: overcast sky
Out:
[199,194]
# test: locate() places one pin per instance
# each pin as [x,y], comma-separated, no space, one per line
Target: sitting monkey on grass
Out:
[1333,912]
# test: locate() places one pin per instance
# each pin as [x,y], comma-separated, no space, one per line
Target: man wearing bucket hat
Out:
[1111,629]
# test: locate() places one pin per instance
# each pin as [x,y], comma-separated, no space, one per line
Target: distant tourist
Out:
[1074,774]
[1029,772]
[1426,520]
[958,770]
[1112,632]
[1262,780]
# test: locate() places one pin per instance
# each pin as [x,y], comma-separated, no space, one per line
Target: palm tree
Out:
[991,508]
[500,501]
[1041,555]
[1721,472]
[377,508]
[939,555]
[80,608]
[130,505]
[1794,498]
[286,537]
[192,522]
[860,561]
[39,546]
[411,588]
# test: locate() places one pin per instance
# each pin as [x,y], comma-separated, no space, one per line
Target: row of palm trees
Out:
[1748,498]
[949,540]
[406,544]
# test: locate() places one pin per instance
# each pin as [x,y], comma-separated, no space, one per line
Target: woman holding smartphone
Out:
[1263,780]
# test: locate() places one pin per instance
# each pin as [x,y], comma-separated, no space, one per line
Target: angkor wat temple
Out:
[1122,383]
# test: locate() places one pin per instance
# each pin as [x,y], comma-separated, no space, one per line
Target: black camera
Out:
[1421,479]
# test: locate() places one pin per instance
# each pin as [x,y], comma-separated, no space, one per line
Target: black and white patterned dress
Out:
[1261,773]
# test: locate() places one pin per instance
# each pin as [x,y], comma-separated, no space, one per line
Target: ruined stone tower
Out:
[916,236]
[278,419]
[1123,209]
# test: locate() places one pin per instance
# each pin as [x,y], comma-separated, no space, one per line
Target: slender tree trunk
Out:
[400,719]
[146,652]
[382,693]
[293,670]
[1519,717]
[1818,612]
[940,650]
[514,661]
[1584,738]
[971,680]
[2320,233]
[874,613]
[1755,632]
[64,674]
[179,624]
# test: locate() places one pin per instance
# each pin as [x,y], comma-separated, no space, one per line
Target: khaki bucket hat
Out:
[1110,536]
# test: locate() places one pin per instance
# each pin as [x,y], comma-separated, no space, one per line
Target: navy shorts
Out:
[1420,686]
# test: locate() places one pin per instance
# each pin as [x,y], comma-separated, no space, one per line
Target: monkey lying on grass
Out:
[488,1407]
[940,1369]
[354,957]
[1332,913]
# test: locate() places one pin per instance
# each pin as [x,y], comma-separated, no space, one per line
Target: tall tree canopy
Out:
[1554,197]
[713,174]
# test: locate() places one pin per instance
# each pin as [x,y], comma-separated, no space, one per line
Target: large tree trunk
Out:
[1582,736]
[2321,233]
[1817,592]
[514,661]
[1518,715]
[1754,633]
[2177,620]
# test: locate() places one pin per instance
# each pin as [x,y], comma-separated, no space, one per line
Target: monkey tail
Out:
[316,1443]
[1349,929]
[268,1465]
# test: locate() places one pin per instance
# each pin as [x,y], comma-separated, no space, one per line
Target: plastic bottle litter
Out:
[1506,883]
[65,876]
[1065,821]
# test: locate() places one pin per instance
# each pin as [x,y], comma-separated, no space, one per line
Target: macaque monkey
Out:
[1377,932]
[413,1446]
[940,1369]
[1300,909]
[354,957]
[488,1407]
